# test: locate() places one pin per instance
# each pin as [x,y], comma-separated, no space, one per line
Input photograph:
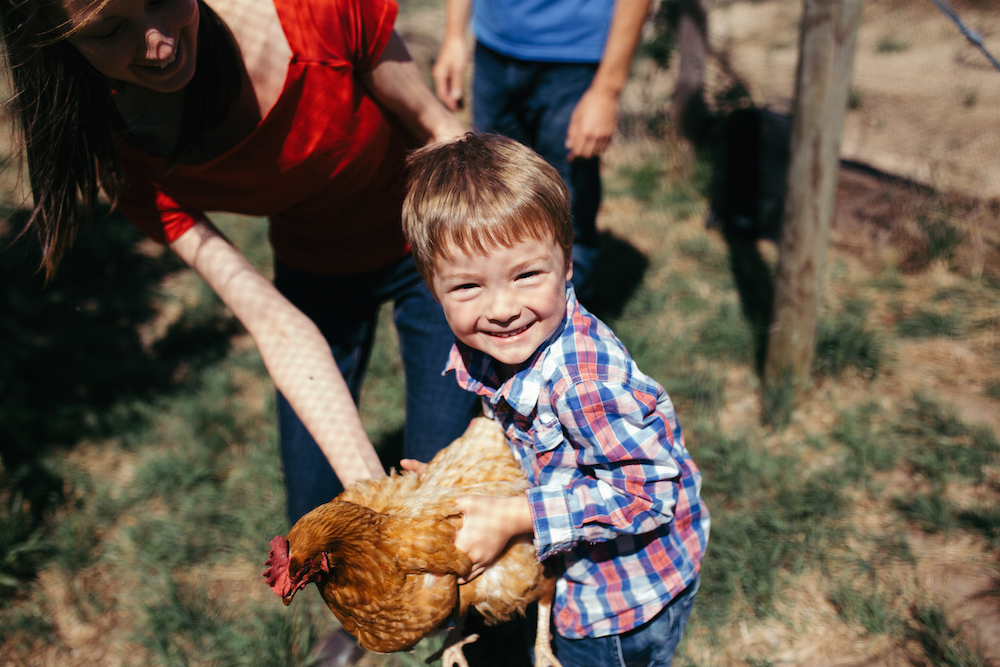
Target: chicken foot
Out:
[544,656]
[451,653]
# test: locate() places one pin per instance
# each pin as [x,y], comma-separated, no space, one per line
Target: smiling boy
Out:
[615,494]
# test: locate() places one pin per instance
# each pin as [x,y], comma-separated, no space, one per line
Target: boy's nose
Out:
[503,309]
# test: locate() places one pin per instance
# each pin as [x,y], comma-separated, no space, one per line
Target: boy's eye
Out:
[465,286]
[528,274]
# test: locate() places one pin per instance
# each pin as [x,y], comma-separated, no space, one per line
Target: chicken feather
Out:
[384,558]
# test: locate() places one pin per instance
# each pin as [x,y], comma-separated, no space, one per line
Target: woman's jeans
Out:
[650,645]
[345,309]
[532,102]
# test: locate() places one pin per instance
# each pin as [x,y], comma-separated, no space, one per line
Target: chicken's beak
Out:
[288,598]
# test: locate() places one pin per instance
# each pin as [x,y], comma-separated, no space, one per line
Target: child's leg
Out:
[650,645]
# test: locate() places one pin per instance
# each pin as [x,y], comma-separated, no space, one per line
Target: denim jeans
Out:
[532,102]
[345,308]
[650,645]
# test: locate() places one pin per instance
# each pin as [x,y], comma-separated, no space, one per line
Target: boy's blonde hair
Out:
[482,192]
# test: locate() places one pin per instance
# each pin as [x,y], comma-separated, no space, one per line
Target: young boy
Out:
[614,491]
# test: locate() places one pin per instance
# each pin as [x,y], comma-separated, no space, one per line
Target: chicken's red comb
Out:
[276,574]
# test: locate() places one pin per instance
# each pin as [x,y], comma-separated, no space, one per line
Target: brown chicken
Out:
[384,558]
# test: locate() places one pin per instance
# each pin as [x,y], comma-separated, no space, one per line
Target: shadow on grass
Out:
[618,273]
[755,284]
[73,360]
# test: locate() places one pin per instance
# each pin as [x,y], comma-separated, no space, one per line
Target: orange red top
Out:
[325,164]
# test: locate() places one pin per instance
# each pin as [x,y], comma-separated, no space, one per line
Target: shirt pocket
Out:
[548,436]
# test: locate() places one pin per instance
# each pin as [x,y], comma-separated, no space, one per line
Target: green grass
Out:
[891,44]
[845,341]
[929,324]
[147,512]
[867,448]
[868,609]
[942,645]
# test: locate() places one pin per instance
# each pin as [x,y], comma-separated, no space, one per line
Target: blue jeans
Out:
[532,102]
[650,645]
[345,308]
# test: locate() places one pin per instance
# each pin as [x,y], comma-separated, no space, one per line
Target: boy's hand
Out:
[489,525]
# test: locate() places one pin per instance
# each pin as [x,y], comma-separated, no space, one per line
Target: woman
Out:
[301,110]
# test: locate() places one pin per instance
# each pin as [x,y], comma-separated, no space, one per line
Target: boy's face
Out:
[506,302]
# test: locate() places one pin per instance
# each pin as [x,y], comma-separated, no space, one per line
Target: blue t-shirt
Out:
[546,30]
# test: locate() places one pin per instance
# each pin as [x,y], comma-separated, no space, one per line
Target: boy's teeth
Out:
[508,334]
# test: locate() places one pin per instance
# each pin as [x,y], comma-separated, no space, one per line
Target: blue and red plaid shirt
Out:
[613,489]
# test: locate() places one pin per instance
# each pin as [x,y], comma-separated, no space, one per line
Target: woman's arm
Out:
[396,82]
[294,351]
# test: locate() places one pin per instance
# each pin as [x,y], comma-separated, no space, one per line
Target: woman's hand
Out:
[489,525]
[413,465]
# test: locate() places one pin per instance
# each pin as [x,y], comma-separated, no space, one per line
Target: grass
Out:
[845,341]
[941,644]
[891,44]
[173,495]
[138,491]
[929,324]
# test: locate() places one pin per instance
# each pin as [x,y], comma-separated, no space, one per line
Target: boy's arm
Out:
[595,117]
[621,476]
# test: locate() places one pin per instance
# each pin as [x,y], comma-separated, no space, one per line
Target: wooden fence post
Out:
[826,57]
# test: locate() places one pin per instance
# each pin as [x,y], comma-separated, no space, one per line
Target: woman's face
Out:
[150,43]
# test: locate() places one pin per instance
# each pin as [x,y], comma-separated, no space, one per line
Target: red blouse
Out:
[325,164]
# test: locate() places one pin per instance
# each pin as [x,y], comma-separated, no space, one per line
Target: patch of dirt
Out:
[925,102]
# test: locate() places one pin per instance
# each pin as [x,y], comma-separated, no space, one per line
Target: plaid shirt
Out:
[613,489]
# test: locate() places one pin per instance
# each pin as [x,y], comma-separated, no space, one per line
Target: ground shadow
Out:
[749,149]
[755,285]
[72,354]
[618,273]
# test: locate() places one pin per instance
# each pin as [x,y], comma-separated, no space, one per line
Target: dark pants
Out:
[532,102]
[650,645]
[345,308]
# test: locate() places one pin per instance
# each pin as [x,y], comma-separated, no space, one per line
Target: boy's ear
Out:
[569,268]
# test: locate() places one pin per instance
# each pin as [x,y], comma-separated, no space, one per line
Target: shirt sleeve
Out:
[154,212]
[622,478]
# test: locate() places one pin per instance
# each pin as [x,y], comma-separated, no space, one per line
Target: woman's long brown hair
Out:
[66,113]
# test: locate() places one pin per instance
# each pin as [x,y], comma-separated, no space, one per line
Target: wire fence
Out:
[925,96]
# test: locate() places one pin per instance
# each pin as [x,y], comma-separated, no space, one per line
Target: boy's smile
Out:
[507,302]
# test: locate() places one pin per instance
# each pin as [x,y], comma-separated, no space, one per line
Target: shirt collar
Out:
[476,371]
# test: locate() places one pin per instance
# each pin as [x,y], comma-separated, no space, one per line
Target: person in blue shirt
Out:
[615,500]
[548,73]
